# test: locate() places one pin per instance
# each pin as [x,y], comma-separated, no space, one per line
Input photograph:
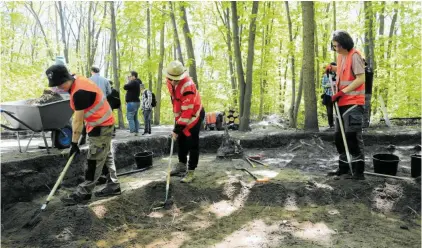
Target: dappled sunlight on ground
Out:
[175,240]
[317,232]
[99,210]
[254,234]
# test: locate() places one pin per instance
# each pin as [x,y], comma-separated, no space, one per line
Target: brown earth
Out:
[224,207]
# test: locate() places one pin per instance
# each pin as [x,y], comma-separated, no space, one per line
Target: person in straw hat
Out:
[188,114]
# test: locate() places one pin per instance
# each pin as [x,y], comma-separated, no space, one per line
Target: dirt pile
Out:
[47,97]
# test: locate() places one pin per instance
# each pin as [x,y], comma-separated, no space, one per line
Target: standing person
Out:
[133,91]
[351,100]
[89,105]
[329,79]
[146,106]
[100,81]
[114,101]
[189,114]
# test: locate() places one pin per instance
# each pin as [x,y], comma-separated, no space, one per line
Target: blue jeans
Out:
[132,116]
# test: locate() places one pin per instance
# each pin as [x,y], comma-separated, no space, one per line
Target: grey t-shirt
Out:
[358,66]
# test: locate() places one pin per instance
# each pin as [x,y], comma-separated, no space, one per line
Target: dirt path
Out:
[224,207]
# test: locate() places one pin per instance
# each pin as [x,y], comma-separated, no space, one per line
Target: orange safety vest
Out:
[100,113]
[211,118]
[186,108]
[345,77]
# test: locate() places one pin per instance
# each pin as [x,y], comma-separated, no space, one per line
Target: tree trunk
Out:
[88,42]
[107,63]
[370,58]
[245,119]
[298,98]
[308,77]
[31,9]
[149,45]
[114,55]
[61,14]
[175,34]
[231,66]
[334,27]
[160,72]
[238,56]
[97,36]
[318,87]
[390,41]
[189,46]
[326,34]
[292,122]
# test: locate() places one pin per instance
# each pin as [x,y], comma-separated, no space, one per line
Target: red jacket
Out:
[345,78]
[186,102]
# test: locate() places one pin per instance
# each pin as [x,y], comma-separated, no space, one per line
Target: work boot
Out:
[178,169]
[75,198]
[358,170]
[189,177]
[108,191]
[343,168]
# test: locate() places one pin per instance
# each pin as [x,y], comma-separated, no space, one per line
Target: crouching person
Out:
[89,105]
[189,114]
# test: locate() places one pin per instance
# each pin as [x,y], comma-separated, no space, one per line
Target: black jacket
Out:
[114,99]
[133,90]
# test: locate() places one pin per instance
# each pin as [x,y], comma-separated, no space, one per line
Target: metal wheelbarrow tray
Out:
[37,118]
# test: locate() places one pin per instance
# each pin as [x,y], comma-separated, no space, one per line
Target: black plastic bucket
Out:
[143,159]
[385,163]
[415,163]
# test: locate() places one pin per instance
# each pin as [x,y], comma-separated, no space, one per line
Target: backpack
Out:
[154,101]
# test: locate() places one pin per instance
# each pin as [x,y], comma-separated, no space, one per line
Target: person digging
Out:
[351,100]
[89,105]
[189,114]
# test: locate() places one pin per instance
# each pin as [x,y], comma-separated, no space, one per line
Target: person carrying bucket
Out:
[350,97]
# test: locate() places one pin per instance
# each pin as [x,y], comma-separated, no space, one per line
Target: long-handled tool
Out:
[167,202]
[36,217]
[258,180]
[258,162]
[343,135]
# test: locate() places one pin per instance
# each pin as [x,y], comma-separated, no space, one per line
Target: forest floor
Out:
[225,207]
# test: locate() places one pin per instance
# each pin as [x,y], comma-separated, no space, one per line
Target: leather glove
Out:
[337,96]
[74,149]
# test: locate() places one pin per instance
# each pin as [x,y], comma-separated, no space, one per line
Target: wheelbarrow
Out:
[52,116]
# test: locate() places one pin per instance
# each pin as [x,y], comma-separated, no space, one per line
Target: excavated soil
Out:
[47,97]
[225,207]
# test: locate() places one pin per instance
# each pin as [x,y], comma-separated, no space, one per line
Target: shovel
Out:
[167,202]
[258,180]
[36,217]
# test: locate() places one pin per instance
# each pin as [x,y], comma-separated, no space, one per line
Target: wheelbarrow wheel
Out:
[60,140]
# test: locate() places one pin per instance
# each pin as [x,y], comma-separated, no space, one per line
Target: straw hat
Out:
[175,71]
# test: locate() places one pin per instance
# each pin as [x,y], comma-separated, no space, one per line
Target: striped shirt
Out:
[146,100]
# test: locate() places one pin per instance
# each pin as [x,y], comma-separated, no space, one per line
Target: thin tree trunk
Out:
[334,27]
[97,36]
[114,55]
[231,66]
[31,9]
[245,119]
[292,122]
[261,83]
[308,77]
[149,45]
[283,96]
[298,98]
[326,33]
[175,34]
[238,56]
[107,57]
[390,41]
[61,14]
[88,42]
[189,46]
[160,73]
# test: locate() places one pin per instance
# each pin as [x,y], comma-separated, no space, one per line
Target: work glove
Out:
[337,96]
[74,149]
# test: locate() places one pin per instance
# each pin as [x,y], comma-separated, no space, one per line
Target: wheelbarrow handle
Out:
[11,114]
